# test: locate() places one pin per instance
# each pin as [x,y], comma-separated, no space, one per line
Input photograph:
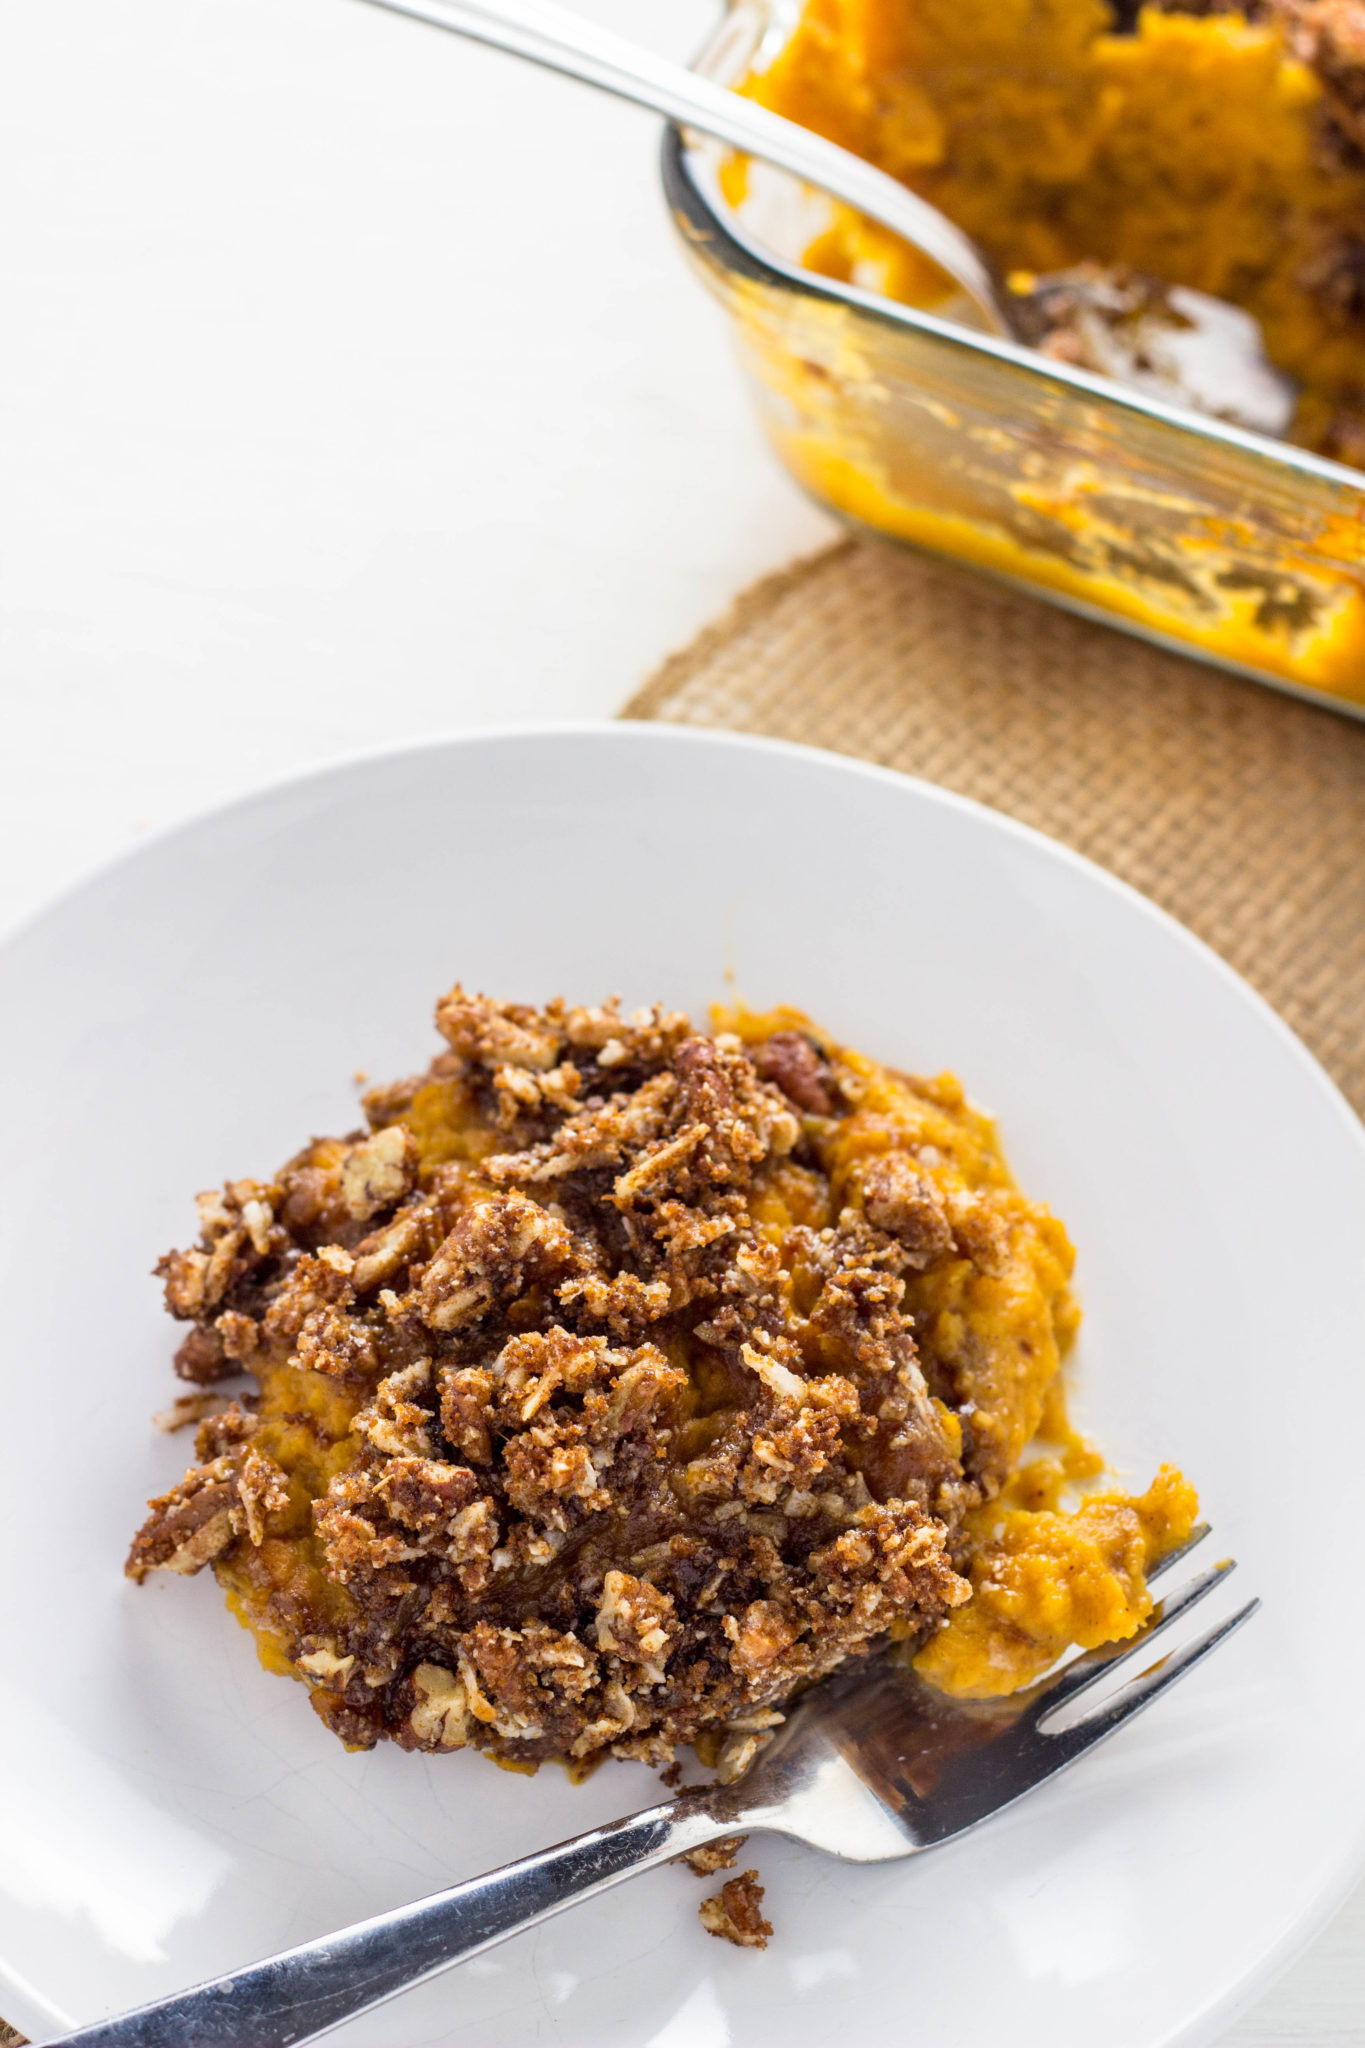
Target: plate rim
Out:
[720,738]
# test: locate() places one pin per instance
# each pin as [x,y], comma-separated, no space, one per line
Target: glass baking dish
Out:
[1230,547]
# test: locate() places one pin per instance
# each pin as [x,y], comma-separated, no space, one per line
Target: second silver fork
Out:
[870,1766]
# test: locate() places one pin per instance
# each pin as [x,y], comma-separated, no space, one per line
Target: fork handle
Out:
[546,33]
[300,1994]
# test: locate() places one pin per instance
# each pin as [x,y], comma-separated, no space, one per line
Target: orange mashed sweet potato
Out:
[1200,149]
[1045,1577]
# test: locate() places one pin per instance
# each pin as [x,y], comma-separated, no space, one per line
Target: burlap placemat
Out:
[1240,811]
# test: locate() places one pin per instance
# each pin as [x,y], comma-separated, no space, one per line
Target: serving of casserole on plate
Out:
[623,1379]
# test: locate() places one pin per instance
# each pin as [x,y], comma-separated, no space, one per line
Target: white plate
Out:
[168,1810]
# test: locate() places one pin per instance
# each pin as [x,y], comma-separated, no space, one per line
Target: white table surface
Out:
[353,389]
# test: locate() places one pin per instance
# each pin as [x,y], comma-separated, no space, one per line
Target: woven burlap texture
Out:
[1240,811]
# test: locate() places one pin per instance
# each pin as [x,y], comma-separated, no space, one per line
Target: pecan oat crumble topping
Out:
[713,1857]
[735,1912]
[619,1380]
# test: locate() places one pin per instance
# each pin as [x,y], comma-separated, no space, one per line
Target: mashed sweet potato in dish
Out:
[1201,146]
[622,1379]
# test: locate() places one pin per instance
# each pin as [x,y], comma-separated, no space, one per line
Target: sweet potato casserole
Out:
[1190,143]
[622,1379]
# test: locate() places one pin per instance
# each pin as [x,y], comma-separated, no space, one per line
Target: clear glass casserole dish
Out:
[1228,546]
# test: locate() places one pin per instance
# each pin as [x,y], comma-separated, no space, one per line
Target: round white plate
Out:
[167,1810]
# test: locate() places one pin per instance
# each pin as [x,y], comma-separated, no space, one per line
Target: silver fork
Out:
[871,1766]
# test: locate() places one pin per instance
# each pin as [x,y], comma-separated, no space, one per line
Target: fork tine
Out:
[1086,1670]
[944,1766]
[1177,1556]
[1056,1751]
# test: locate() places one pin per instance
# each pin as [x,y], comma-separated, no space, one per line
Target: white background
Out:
[353,389]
